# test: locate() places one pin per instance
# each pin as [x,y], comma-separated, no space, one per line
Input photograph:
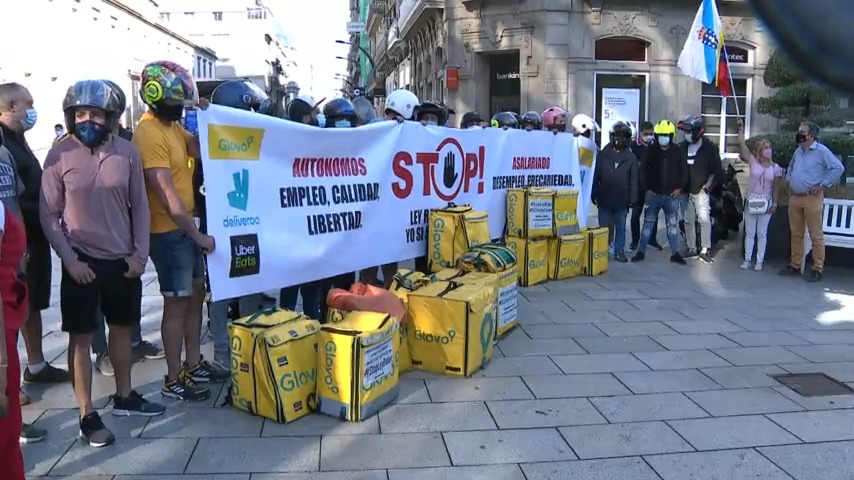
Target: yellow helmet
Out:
[665,127]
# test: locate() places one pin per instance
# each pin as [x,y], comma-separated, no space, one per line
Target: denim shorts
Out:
[178,261]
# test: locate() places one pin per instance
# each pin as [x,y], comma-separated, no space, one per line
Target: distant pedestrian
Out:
[615,184]
[812,169]
[763,188]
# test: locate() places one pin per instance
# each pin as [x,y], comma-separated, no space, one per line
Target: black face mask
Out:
[800,138]
[170,112]
[92,134]
[619,143]
[587,133]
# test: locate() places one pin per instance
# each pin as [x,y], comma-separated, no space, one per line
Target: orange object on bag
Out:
[367,298]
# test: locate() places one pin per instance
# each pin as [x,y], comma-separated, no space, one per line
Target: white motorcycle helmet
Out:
[582,123]
[403,103]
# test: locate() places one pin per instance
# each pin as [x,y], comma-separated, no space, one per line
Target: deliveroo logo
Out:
[487,331]
[239,197]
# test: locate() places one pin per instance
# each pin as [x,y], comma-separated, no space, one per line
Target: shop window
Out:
[619,98]
[721,115]
[621,49]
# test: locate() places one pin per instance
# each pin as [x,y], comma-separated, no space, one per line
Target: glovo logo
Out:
[570,263]
[290,381]
[236,346]
[335,315]
[535,264]
[229,142]
[432,338]
[438,230]
[511,206]
[600,254]
[487,334]
[586,157]
[329,366]
[565,216]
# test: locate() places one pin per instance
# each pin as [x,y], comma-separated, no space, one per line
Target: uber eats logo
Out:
[245,255]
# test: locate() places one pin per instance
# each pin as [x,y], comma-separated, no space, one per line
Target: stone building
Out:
[601,57]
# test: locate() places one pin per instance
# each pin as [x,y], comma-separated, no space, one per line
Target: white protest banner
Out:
[586,150]
[290,203]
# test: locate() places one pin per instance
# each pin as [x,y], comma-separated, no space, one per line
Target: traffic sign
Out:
[355,27]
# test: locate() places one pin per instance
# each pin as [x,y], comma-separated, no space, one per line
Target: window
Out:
[721,116]
[621,49]
[217,16]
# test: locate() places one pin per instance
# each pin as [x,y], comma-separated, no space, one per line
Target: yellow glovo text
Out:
[274,364]
[566,206]
[229,142]
[532,255]
[453,231]
[452,327]
[530,212]
[507,284]
[596,255]
[358,365]
[566,256]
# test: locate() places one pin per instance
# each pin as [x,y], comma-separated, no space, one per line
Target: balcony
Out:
[394,42]
[376,11]
[381,47]
[412,11]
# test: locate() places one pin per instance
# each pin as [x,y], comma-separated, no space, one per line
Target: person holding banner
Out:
[177,245]
[431,112]
[532,121]
[472,120]
[583,125]
[554,120]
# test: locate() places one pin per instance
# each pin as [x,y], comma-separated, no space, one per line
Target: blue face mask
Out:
[664,141]
[321,120]
[91,134]
[343,124]
[29,121]
[435,124]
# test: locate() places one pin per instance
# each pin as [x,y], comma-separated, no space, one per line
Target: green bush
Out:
[783,145]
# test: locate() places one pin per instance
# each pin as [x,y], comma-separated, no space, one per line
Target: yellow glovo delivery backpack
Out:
[530,212]
[452,231]
[596,258]
[499,260]
[566,217]
[404,282]
[274,364]
[533,259]
[452,327]
[567,256]
[358,365]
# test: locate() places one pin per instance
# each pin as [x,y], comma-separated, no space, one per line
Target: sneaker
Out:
[104,365]
[204,372]
[676,258]
[184,389]
[135,406]
[24,398]
[789,272]
[758,267]
[706,258]
[814,276]
[745,265]
[31,434]
[148,351]
[94,431]
[639,257]
[48,374]
[621,257]
[633,247]
[656,246]
[690,254]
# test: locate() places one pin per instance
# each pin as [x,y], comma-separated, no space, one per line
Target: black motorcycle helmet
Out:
[532,119]
[434,108]
[471,119]
[620,135]
[693,126]
[365,112]
[339,113]
[119,93]
[505,120]
[242,94]
[300,107]
[94,94]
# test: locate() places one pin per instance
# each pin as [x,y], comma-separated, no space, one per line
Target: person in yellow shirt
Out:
[177,245]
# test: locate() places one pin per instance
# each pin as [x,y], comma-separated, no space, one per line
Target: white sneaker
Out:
[745,265]
[758,267]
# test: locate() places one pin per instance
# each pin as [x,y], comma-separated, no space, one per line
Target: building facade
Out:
[608,59]
[84,39]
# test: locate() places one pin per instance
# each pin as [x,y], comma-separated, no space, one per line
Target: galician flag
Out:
[704,56]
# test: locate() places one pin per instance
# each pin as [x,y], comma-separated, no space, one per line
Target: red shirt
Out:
[13,290]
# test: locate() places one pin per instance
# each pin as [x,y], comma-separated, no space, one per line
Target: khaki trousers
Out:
[805,213]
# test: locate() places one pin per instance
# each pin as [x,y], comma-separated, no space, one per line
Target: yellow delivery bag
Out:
[452,231]
[566,208]
[358,364]
[492,257]
[274,364]
[530,212]
[406,281]
[507,283]
[532,255]
[596,256]
[453,327]
[566,256]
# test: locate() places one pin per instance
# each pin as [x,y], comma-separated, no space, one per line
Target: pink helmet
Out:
[553,117]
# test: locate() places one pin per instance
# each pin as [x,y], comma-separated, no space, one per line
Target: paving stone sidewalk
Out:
[650,372]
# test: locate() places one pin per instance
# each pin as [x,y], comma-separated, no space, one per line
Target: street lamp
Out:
[339,57]
[367,54]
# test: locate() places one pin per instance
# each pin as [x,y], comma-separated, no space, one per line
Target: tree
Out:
[796,98]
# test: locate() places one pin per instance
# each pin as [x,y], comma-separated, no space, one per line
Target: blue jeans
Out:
[313,295]
[671,207]
[178,261]
[615,218]
[219,320]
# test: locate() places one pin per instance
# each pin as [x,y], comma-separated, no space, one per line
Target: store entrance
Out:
[504,83]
